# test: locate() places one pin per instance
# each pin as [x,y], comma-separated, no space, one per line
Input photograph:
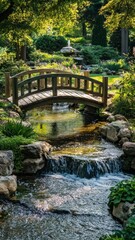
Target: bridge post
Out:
[54,86]
[7,85]
[105,91]
[86,74]
[15,91]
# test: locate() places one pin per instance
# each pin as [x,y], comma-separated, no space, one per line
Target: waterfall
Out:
[84,168]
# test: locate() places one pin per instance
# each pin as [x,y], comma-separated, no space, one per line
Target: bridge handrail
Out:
[103,86]
[9,78]
[47,70]
[59,75]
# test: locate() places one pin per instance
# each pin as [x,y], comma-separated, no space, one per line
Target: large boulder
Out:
[129,156]
[34,156]
[8,185]
[117,130]
[129,148]
[123,211]
[112,134]
[31,166]
[6,163]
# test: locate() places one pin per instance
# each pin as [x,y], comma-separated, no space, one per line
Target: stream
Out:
[68,201]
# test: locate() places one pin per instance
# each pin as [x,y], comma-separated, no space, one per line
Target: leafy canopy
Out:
[119,13]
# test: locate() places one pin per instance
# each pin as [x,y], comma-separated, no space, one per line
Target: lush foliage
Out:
[124,102]
[13,143]
[128,233]
[129,230]
[94,54]
[12,128]
[50,44]
[111,237]
[122,192]
[119,13]
[38,56]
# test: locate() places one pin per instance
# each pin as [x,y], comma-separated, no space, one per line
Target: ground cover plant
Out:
[124,191]
[14,133]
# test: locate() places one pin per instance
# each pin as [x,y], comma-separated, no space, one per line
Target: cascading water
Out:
[104,158]
[68,201]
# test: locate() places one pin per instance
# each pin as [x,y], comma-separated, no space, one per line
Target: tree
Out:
[19,19]
[119,14]
[90,15]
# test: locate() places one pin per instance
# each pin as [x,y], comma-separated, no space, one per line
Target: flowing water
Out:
[68,201]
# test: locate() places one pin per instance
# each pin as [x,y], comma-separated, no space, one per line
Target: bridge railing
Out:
[26,75]
[54,82]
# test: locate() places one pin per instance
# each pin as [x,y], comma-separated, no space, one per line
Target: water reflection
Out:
[54,124]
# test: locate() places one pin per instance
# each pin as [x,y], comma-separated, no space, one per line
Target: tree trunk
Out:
[84,32]
[23,52]
[124,41]
[17,51]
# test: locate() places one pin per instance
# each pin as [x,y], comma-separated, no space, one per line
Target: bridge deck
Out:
[75,96]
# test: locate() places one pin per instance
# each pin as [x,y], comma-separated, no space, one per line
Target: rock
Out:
[35,150]
[124,132]
[112,134]
[8,185]
[111,118]
[129,148]
[6,163]
[31,166]
[120,124]
[123,211]
[103,131]
[34,156]
[120,117]
[123,140]
[116,131]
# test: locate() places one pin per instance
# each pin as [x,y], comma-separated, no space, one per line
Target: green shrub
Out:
[13,143]
[95,54]
[124,102]
[89,56]
[13,67]
[12,128]
[124,191]
[50,44]
[129,229]
[111,65]
[50,58]
[128,233]
[111,237]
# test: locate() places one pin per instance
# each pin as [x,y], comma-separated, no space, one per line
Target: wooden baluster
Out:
[78,83]
[92,87]
[29,87]
[8,83]
[100,89]
[15,91]
[21,78]
[86,74]
[22,91]
[38,84]
[45,83]
[42,82]
[70,82]
[105,91]
[54,86]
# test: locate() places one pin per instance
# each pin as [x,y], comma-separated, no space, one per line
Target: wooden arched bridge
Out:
[36,87]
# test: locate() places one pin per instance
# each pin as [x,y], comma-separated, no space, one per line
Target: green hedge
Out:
[50,44]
